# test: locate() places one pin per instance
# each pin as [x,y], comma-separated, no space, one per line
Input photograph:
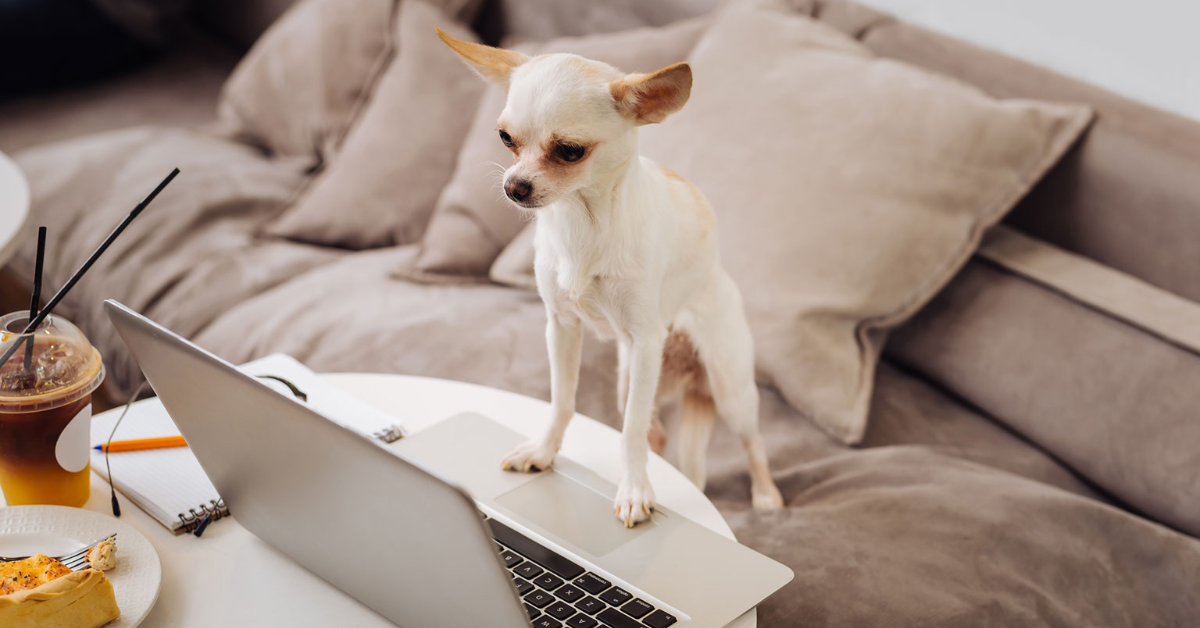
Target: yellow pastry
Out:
[29,573]
[79,599]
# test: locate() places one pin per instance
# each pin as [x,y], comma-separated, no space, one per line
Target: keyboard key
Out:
[532,550]
[539,598]
[528,570]
[580,621]
[545,622]
[658,619]
[548,581]
[592,583]
[637,608]
[559,610]
[570,593]
[589,605]
[523,586]
[615,618]
[500,548]
[510,559]
[533,612]
[615,596]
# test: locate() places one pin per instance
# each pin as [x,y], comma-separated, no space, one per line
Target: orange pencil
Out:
[143,443]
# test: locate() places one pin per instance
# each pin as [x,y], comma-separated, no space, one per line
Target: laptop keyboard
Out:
[559,593]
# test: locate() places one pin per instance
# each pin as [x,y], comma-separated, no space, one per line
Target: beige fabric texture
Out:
[298,89]
[473,222]
[381,187]
[1149,308]
[514,266]
[1085,361]
[848,190]
[1125,197]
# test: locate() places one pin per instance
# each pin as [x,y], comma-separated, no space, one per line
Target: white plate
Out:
[58,530]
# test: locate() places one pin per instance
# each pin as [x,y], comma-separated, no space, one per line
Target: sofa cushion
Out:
[848,190]
[187,258]
[1093,365]
[299,88]
[472,222]
[1126,196]
[903,536]
[382,186]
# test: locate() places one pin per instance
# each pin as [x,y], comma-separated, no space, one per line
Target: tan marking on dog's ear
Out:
[650,98]
[493,64]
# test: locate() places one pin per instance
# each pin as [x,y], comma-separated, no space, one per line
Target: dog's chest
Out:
[592,295]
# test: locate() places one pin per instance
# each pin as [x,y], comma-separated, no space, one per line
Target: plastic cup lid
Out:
[63,367]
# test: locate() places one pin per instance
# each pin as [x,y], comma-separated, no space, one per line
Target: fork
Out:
[74,561]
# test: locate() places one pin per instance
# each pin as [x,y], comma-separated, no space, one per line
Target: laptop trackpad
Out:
[571,511]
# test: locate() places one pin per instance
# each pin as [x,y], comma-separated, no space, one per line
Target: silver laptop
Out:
[459,543]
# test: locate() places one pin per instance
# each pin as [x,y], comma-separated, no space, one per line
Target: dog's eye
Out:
[506,138]
[569,152]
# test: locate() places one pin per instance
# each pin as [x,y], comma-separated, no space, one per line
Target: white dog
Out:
[628,248]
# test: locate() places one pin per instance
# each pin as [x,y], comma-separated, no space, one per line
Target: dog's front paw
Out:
[634,502]
[529,456]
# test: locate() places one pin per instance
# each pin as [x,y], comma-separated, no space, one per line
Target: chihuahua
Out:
[627,248]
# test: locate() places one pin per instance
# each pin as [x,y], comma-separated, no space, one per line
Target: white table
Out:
[14,207]
[228,577]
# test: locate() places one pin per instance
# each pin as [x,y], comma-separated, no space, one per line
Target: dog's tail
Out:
[697,416]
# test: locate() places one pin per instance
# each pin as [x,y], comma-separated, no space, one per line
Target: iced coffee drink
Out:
[45,412]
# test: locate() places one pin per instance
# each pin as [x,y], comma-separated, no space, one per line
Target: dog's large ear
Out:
[650,98]
[493,64]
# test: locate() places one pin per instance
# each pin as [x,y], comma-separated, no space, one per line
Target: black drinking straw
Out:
[36,297]
[58,296]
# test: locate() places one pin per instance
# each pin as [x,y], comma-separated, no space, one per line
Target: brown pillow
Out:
[1094,366]
[297,90]
[472,222]
[848,190]
[381,188]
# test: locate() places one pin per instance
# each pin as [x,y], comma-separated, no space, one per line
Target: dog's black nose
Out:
[518,189]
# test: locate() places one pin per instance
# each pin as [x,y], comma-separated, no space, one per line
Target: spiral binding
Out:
[194,517]
[389,434]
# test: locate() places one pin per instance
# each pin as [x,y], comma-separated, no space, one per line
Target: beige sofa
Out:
[1033,452]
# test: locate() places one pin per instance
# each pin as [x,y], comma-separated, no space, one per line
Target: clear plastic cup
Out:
[46,411]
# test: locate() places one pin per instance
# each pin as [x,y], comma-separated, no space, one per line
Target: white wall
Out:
[1147,50]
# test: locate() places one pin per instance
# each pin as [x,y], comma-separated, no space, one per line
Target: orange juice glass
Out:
[46,411]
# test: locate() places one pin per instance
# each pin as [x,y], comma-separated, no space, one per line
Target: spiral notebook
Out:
[170,485]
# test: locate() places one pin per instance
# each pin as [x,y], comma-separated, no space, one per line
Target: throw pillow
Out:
[848,190]
[382,187]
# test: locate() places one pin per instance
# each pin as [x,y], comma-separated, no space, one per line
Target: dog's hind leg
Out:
[726,348]
[696,419]
[739,408]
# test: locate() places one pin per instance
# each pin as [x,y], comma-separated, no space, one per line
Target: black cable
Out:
[116,506]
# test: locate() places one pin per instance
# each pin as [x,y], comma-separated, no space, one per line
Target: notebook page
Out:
[163,482]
